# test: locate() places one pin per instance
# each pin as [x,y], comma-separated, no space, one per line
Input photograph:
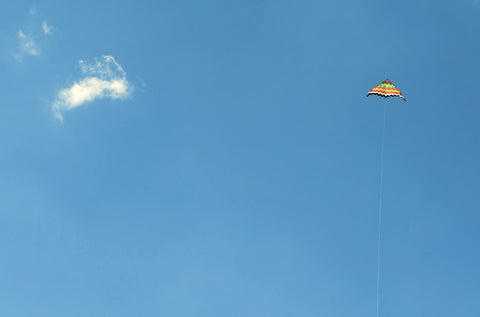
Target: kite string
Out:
[380,201]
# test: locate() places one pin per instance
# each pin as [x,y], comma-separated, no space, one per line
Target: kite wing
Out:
[386,89]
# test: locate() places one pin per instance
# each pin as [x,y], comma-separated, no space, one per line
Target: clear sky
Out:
[221,158]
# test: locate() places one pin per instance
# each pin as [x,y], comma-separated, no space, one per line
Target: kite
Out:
[386,89]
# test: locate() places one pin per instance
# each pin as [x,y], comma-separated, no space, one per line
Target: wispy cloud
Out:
[102,78]
[46,28]
[32,37]
[27,45]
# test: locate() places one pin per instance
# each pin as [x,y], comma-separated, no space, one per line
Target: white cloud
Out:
[46,28]
[33,36]
[31,39]
[27,45]
[104,78]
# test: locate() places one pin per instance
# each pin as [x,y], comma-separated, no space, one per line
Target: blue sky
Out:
[220,158]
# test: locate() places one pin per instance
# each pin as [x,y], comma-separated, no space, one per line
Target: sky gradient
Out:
[221,158]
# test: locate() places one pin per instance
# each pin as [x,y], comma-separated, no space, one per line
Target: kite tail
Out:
[380,201]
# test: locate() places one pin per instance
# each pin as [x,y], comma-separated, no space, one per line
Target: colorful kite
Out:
[386,89]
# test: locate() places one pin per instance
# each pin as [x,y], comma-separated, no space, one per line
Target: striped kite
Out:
[386,89]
